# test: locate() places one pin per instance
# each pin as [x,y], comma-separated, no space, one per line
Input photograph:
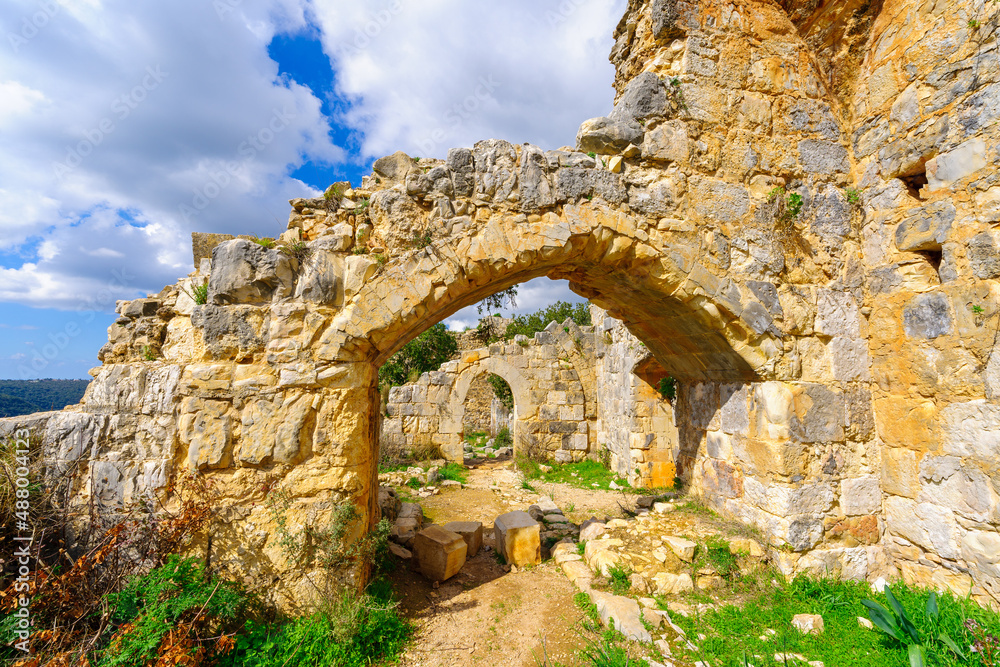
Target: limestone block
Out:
[471,532]
[899,472]
[927,316]
[971,429]
[926,227]
[606,136]
[591,530]
[964,160]
[246,272]
[860,496]
[440,553]
[823,157]
[622,614]
[668,141]
[808,624]
[684,549]
[668,583]
[517,538]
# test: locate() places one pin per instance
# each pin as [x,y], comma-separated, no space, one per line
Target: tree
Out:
[560,311]
[424,353]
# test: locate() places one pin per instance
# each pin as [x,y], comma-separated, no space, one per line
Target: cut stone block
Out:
[517,538]
[683,548]
[471,532]
[440,553]
[622,614]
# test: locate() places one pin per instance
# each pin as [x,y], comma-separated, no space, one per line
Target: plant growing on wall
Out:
[501,390]
[668,388]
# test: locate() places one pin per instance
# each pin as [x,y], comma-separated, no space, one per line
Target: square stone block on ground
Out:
[440,553]
[471,532]
[518,538]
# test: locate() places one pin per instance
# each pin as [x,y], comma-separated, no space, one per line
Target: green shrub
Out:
[174,609]
[619,577]
[454,471]
[424,353]
[200,293]
[503,439]
[264,242]
[501,390]
[355,631]
[560,311]
[668,388]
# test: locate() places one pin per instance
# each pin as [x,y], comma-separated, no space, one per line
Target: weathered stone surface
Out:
[684,549]
[606,136]
[808,624]
[925,228]
[440,553]
[927,316]
[517,538]
[471,532]
[246,272]
[645,96]
[622,614]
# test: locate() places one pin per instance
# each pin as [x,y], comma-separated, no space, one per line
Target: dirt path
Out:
[485,615]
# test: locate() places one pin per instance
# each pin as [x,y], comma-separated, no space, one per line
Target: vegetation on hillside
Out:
[23,397]
[424,353]
[529,325]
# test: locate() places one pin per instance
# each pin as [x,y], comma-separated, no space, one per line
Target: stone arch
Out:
[524,407]
[700,326]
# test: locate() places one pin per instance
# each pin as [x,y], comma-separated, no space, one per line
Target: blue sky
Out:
[126,126]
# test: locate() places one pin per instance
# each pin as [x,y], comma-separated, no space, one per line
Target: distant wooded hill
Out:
[22,397]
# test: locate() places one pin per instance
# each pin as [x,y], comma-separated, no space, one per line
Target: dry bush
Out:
[80,555]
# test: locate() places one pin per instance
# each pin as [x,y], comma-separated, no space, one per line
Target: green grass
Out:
[355,631]
[619,579]
[732,631]
[587,474]
[454,471]
[718,555]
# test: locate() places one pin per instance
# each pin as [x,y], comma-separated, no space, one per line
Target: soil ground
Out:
[485,615]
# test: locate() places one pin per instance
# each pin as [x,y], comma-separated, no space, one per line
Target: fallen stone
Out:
[471,532]
[591,530]
[866,623]
[548,506]
[655,618]
[645,501]
[742,545]
[684,549]
[808,624]
[663,508]
[578,573]
[517,538]
[400,552]
[668,583]
[622,614]
[451,482]
[555,518]
[639,583]
[440,553]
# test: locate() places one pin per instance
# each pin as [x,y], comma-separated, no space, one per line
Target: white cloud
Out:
[426,76]
[126,126]
[531,296]
[117,114]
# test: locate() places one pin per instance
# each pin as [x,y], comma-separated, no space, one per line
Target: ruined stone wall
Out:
[927,145]
[817,347]
[550,396]
[634,422]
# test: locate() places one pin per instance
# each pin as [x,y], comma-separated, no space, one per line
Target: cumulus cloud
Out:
[126,126]
[426,76]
